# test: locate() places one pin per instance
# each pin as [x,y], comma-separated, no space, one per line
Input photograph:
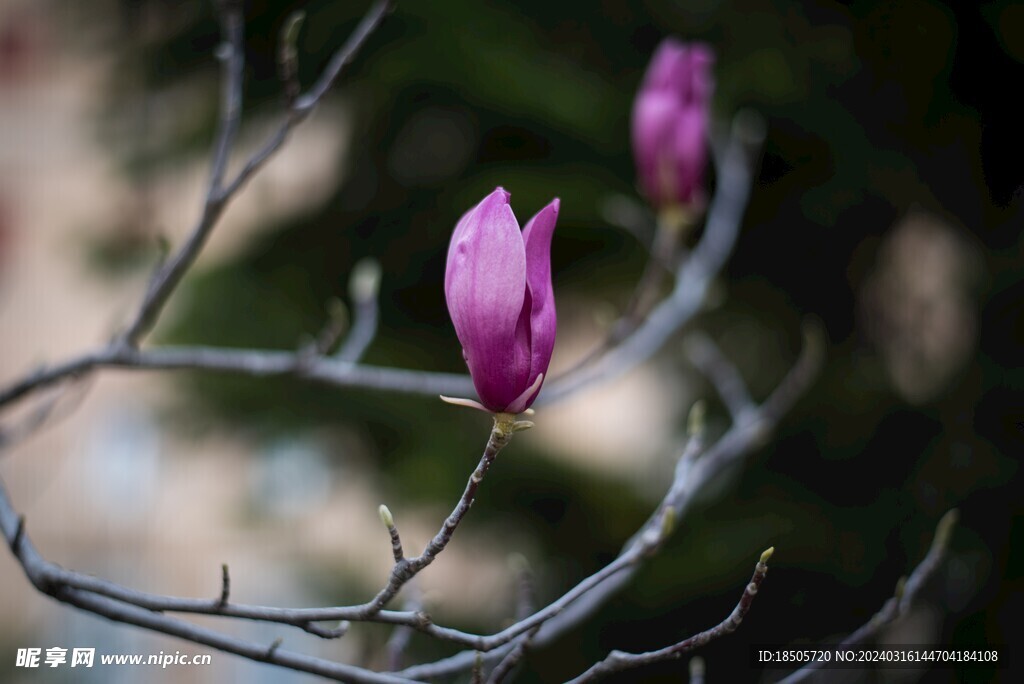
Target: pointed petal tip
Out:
[549,211]
[499,197]
[468,403]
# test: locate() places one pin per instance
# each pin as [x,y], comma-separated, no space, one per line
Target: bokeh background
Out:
[887,206]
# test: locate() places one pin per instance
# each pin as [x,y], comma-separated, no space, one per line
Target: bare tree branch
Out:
[50,410]
[250,362]
[693,473]
[629,347]
[364,287]
[906,593]
[45,574]
[639,548]
[525,606]
[619,660]
[219,193]
[705,355]
[304,105]
[507,664]
[508,644]
[405,569]
[52,580]
[696,467]
[399,640]
[694,275]
[692,280]
[671,227]
[173,269]
[661,262]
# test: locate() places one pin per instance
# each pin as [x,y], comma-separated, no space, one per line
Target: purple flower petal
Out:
[498,288]
[669,66]
[543,319]
[691,151]
[654,129]
[485,286]
[670,123]
[701,79]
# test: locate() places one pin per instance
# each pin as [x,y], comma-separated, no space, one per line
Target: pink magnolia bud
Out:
[498,287]
[670,123]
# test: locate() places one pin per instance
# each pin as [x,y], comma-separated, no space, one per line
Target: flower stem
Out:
[505,425]
[501,435]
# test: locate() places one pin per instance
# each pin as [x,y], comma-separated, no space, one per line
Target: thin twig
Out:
[288,57]
[476,676]
[49,579]
[507,664]
[334,328]
[171,271]
[671,228]
[364,286]
[49,411]
[705,355]
[661,263]
[526,595]
[396,539]
[305,104]
[906,593]
[399,640]
[407,568]
[619,660]
[219,193]
[225,585]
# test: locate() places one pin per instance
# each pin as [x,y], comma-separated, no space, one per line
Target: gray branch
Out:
[120,603]
[364,288]
[692,281]
[505,647]
[706,356]
[171,271]
[508,645]
[695,469]
[906,593]
[250,362]
[95,596]
[219,193]
[693,277]
[399,640]
[616,661]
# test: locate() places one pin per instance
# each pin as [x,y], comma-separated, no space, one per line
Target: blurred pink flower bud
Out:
[498,287]
[670,124]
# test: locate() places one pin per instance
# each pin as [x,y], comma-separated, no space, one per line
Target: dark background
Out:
[875,111]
